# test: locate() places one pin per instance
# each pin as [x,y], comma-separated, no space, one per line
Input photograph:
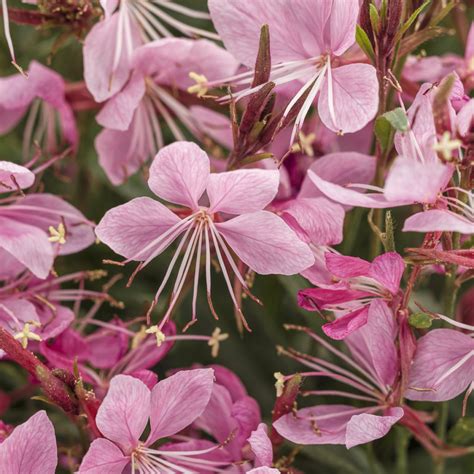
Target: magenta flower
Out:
[417,176]
[442,367]
[132,116]
[309,54]
[42,93]
[109,47]
[37,227]
[30,448]
[374,363]
[359,286]
[143,228]
[172,405]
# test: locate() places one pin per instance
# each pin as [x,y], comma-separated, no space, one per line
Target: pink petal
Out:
[28,244]
[351,197]
[99,54]
[261,446]
[230,381]
[266,244]
[178,400]
[264,470]
[343,266]
[388,270]
[118,112]
[54,323]
[180,173]
[45,210]
[123,415]
[238,23]
[129,228]
[438,220]
[340,31]
[355,98]
[214,125]
[241,191]
[119,157]
[373,345]
[332,430]
[345,325]
[436,355]
[103,457]
[108,6]
[315,220]
[23,177]
[415,181]
[315,299]
[170,60]
[149,378]
[31,448]
[10,265]
[340,168]
[365,427]
[464,119]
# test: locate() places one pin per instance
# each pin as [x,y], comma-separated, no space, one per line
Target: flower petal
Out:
[241,191]
[345,325]
[31,448]
[343,266]
[438,220]
[180,173]
[366,427]
[265,243]
[355,98]
[388,270]
[261,446]
[129,228]
[123,415]
[103,457]
[22,176]
[178,400]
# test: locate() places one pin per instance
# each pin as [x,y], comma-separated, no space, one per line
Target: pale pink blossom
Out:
[143,228]
[308,55]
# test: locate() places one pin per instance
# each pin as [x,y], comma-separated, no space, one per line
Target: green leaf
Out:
[364,43]
[420,320]
[383,132]
[397,119]
[462,433]
[410,43]
[411,20]
[374,18]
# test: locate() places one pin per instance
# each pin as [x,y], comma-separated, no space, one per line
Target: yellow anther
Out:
[200,88]
[26,334]
[58,235]
[304,144]
[160,337]
[446,146]
[139,337]
[216,338]
[280,383]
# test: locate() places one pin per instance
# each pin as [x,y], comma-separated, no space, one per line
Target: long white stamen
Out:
[119,42]
[6,28]
[332,112]
[196,273]
[455,367]
[183,10]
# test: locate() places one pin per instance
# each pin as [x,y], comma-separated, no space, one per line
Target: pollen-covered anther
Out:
[446,145]
[160,336]
[201,86]
[279,384]
[216,338]
[26,334]
[57,235]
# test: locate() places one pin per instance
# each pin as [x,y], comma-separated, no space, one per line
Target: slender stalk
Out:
[403,438]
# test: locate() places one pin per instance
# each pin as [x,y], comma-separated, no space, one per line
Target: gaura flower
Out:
[161,72]
[359,284]
[373,364]
[417,175]
[27,224]
[40,96]
[128,24]
[307,42]
[143,228]
[172,405]
[30,448]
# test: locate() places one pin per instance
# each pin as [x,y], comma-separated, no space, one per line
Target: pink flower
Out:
[43,94]
[442,367]
[143,228]
[417,175]
[374,365]
[161,71]
[37,227]
[172,405]
[30,448]
[360,284]
[108,48]
[348,97]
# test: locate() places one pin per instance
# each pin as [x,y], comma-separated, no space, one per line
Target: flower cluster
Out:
[290,181]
